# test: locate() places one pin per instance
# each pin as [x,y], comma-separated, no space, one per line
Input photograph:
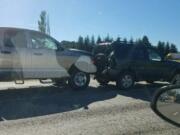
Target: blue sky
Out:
[158,19]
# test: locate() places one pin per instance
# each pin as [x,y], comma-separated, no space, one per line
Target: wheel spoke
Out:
[127,81]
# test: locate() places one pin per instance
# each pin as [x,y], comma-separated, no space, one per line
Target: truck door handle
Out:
[6,52]
[38,54]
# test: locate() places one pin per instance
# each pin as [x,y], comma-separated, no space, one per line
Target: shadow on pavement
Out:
[39,101]
[31,102]
[141,91]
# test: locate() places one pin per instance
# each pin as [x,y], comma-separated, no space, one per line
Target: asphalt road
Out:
[36,109]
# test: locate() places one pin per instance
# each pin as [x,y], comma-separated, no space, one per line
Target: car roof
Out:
[18,29]
[23,29]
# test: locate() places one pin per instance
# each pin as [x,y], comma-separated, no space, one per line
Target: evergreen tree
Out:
[80,43]
[161,48]
[139,42]
[108,39]
[99,40]
[145,41]
[93,41]
[87,43]
[125,41]
[173,48]
[167,48]
[131,41]
[118,40]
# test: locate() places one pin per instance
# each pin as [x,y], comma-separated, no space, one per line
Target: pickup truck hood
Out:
[79,58]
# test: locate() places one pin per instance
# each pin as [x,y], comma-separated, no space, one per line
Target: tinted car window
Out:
[139,54]
[122,51]
[153,55]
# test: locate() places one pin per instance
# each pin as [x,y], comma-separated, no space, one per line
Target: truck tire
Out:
[126,81]
[79,80]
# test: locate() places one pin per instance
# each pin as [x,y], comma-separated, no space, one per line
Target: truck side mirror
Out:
[166,104]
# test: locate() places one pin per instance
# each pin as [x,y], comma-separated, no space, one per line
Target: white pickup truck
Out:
[28,54]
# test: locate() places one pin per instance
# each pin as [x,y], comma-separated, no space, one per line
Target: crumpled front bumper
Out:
[85,64]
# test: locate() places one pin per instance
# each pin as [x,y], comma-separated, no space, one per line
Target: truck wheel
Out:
[176,79]
[79,80]
[126,81]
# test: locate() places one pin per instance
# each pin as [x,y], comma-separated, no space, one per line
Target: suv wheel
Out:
[79,80]
[176,79]
[126,81]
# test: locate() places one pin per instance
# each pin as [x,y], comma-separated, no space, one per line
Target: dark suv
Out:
[127,64]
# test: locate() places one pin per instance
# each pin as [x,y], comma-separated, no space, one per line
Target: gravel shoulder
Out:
[49,110]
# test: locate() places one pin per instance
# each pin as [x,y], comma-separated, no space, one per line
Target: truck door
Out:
[13,53]
[43,57]
[139,62]
[155,67]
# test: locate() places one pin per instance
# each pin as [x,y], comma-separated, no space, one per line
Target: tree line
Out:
[91,44]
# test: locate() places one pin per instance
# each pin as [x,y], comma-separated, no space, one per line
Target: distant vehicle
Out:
[173,56]
[104,48]
[129,63]
[28,54]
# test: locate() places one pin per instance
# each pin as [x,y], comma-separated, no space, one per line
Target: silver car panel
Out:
[43,60]
[21,56]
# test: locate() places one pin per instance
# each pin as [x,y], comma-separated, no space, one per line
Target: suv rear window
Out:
[153,55]
[139,54]
[122,51]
